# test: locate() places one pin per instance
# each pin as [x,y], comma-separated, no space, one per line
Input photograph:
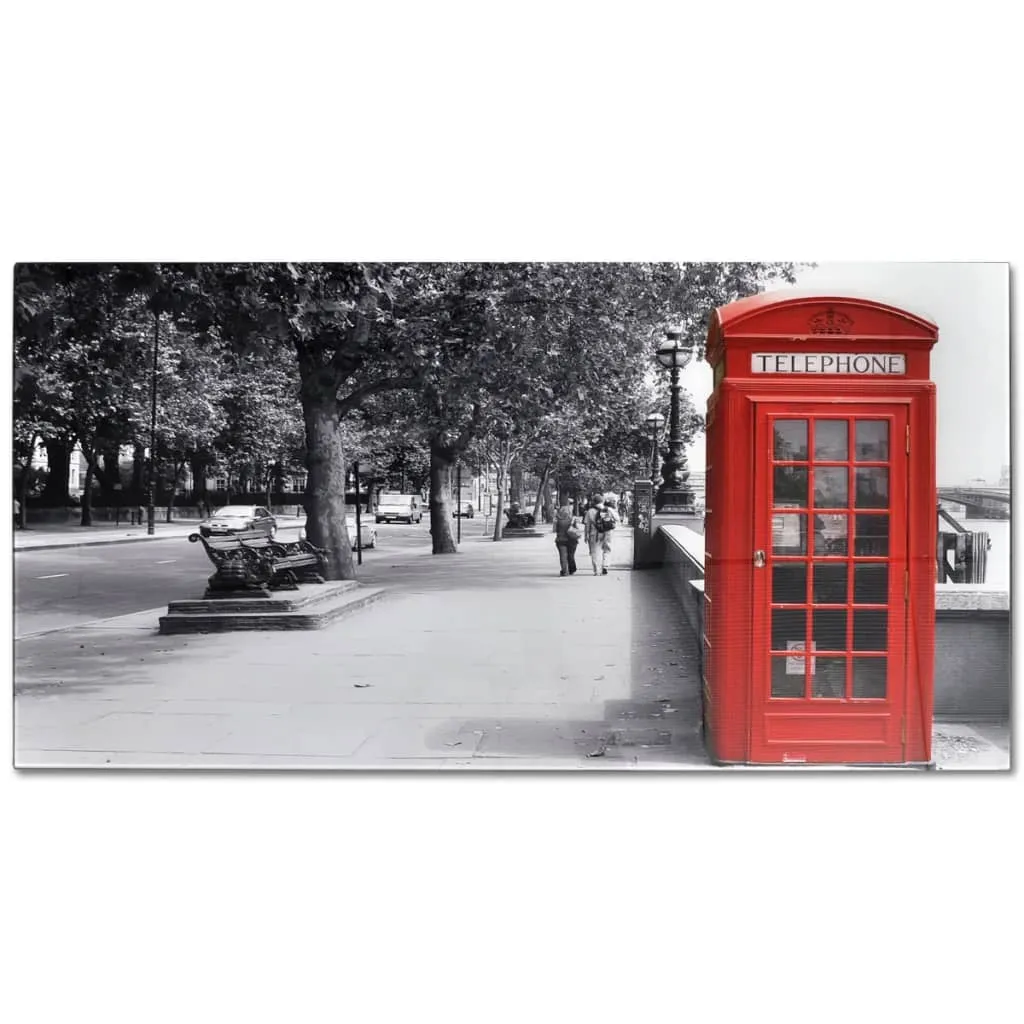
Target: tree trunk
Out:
[138,469]
[325,487]
[441,461]
[23,484]
[172,490]
[499,508]
[107,471]
[58,460]
[268,481]
[197,464]
[515,489]
[549,506]
[90,461]
[542,487]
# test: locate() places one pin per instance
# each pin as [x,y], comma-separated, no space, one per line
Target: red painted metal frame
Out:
[737,482]
[823,730]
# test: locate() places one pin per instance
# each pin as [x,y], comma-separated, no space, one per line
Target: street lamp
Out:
[654,424]
[674,494]
[150,510]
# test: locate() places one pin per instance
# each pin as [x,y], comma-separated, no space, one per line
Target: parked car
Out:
[367,531]
[406,508]
[238,519]
[464,508]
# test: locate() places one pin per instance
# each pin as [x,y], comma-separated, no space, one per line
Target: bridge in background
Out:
[979,502]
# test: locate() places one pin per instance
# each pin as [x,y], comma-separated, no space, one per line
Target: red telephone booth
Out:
[820,533]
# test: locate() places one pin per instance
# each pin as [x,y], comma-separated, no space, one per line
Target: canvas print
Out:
[716,517]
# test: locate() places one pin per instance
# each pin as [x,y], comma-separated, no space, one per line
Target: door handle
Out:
[759,559]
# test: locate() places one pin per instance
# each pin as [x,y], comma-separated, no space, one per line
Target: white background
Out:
[536,130]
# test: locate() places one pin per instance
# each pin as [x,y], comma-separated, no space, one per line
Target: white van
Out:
[405,508]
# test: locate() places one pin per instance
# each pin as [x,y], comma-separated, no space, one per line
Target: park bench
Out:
[250,561]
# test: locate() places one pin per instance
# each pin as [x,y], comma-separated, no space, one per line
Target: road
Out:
[57,589]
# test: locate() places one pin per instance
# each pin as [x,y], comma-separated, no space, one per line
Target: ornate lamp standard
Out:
[674,494]
[151,482]
[654,424]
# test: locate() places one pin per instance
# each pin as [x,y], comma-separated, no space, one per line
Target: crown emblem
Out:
[830,322]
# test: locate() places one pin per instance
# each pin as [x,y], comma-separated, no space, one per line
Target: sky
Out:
[970,303]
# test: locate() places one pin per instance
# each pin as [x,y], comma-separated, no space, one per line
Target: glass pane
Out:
[789,583]
[872,440]
[870,631]
[791,440]
[789,627]
[871,535]
[791,486]
[871,584]
[789,534]
[869,677]
[828,678]
[830,583]
[830,441]
[830,534]
[872,487]
[788,677]
[830,490]
[830,629]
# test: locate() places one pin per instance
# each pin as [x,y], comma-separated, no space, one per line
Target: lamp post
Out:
[654,424]
[458,501]
[674,494]
[150,510]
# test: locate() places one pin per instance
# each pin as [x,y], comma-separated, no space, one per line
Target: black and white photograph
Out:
[582,516]
[512,512]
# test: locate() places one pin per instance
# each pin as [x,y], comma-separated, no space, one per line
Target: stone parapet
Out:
[972,628]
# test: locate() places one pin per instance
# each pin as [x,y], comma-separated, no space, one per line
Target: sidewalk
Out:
[61,535]
[487,659]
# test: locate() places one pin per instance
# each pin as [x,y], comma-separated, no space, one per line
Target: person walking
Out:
[566,529]
[599,522]
[17,514]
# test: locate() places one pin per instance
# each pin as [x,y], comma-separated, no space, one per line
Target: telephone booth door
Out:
[830,582]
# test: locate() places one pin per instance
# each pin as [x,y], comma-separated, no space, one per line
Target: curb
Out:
[119,540]
[93,623]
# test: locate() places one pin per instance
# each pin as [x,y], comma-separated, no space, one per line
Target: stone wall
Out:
[972,630]
[972,651]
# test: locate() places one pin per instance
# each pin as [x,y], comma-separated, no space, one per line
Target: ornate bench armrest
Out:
[211,551]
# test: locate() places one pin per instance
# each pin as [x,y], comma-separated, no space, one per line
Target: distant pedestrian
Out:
[599,523]
[17,514]
[567,536]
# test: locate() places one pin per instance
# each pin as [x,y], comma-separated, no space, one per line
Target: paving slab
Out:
[961,747]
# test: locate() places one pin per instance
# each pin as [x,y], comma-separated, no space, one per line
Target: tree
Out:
[90,325]
[68,327]
[259,421]
[581,335]
[37,390]
[327,320]
[540,362]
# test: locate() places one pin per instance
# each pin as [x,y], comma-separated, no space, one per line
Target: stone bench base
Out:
[310,607]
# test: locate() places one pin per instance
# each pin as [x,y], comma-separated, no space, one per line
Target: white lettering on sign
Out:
[863,364]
